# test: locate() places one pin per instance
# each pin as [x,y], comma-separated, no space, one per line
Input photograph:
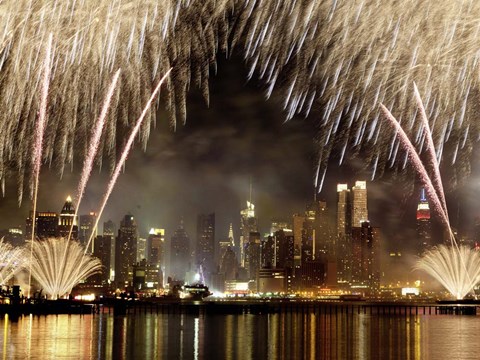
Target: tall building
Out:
[125,250]
[424,225]
[359,203]
[248,224]
[252,255]
[180,253]
[224,245]
[141,249]
[324,240]
[46,225]
[67,219]
[205,249]
[268,251]
[156,247]
[102,250]
[298,221]
[365,248]
[109,230]
[343,233]
[284,249]
[86,225]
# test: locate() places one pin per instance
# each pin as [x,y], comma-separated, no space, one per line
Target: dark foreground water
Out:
[274,336]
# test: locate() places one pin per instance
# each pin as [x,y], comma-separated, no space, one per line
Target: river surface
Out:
[273,336]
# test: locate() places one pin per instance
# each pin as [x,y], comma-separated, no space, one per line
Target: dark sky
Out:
[206,166]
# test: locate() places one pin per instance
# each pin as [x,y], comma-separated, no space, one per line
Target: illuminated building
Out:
[180,253]
[229,265]
[424,225]
[141,249]
[248,225]
[205,249]
[252,255]
[86,224]
[365,249]
[278,225]
[125,249]
[359,203]
[109,230]
[283,249]
[66,219]
[268,251]
[343,233]
[224,245]
[156,247]
[146,276]
[298,221]
[46,225]
[272,281]
[313,274]
[102,250]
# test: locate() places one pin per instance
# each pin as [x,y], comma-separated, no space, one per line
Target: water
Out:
[274,336]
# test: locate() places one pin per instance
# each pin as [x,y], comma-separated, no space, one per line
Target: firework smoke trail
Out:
[437,179]
[125,153]
[93,146]
[431,191]
[417,163]
[38,147]
[90,157]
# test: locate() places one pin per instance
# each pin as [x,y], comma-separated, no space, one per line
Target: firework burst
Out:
[340,57]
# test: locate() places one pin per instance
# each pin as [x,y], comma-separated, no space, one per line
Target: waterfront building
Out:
[205,249]
[125,250]
[46,225]
[248,225]
[86,227]
[424,225]
[180,253]
[66,219]
[365,249]
[102,251]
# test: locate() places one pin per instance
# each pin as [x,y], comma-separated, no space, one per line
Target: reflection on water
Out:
[274,336]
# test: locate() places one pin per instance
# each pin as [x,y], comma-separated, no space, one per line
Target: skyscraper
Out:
[102,250]
[66,219]
[365,249]
[424,225]
[180,253]
[46,225]
[205,249]
[343,233]
[87,222]
[156,248]
[252,255]
[125,250]
[109,230]
[223,245]
[248,224]
[359,203]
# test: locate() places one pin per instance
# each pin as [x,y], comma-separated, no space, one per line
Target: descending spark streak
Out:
[93,146]
[437,179]
[38,145]
[125,153]
[90,157]
[417,163]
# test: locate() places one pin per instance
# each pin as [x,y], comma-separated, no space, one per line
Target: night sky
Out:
[206,166]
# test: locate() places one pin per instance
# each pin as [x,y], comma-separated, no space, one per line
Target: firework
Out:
[343,57]
[57,274]
[10,258]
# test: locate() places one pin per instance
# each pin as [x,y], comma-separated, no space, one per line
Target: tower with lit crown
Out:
[424,225]
[66,219]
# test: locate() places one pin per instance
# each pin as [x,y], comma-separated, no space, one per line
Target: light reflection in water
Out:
[273,336]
